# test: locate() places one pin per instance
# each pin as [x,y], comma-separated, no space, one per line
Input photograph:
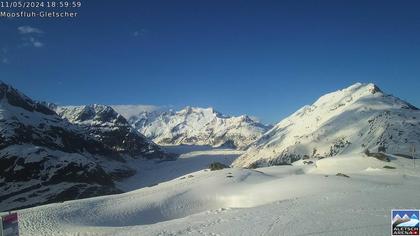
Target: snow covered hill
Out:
[358,118]
[194,126]
[44,158]
[302,199]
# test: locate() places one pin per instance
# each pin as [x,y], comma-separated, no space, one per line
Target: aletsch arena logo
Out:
[405,222]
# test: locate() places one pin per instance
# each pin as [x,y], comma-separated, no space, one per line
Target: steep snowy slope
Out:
[351,120]
[198,126]
[44,158]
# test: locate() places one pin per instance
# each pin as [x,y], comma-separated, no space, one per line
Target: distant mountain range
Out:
[357,119]
[193,126]
[50,153]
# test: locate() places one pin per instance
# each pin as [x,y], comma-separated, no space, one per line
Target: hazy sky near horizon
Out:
[262,58]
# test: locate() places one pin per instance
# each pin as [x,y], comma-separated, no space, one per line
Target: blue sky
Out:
[263,58]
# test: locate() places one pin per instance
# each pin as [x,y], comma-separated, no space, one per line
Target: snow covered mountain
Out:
[198,126]
[353,120]
[44,158]
[111,128]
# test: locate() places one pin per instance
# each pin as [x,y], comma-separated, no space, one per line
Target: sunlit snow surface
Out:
[302,199]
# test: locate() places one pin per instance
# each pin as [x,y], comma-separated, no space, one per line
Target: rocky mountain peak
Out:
[91,114]
[15,98]
[353,119]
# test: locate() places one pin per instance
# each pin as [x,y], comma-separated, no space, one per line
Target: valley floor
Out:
[302,199]
[192,158]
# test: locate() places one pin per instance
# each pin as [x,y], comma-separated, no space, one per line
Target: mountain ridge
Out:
[197,126]
[45,158]
[358,118]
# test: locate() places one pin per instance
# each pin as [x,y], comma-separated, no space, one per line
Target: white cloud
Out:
[26,29]
[31,36]
[255,118]
[34,42]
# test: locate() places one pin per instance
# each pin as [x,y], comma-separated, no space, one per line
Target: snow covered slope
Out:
[44,158]
[351,120]
[280,200]
[195,126]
